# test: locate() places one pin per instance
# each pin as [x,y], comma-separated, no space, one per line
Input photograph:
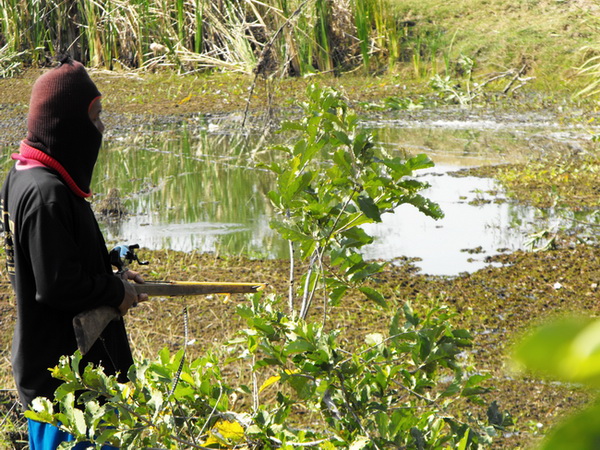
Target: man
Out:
[56,255]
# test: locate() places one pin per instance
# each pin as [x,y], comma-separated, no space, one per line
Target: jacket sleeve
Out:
[70,276]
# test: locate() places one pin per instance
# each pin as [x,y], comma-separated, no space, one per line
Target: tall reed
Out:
[317,35]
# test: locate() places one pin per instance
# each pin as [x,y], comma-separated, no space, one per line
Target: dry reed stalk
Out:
[226,35]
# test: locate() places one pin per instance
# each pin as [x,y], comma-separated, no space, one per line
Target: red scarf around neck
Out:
[27,152]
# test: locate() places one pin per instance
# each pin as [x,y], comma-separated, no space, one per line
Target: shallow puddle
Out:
[195,186]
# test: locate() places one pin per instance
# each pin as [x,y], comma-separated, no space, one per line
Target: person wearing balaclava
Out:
[57,258]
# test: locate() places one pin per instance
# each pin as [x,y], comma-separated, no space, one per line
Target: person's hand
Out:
[131,297]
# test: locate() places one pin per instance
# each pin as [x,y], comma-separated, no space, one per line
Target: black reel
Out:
[123,255]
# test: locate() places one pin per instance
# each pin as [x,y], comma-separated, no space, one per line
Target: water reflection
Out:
[190,188]
[473,227]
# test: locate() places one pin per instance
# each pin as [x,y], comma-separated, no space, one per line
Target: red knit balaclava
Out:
[58,123]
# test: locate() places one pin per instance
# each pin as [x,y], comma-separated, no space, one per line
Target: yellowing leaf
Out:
[274,379]
[229,430]
[211,441]
[224,433]
[187,378]
[269,381]
[185,100]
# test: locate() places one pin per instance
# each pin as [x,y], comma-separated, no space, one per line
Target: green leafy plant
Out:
[566,350]
[387,393]
[395,389]
[452,90]
[333,181]
[147,412]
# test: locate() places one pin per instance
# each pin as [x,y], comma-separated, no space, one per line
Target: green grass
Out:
[416,38]
[546,36]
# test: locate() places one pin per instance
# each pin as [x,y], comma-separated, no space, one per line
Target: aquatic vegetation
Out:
[554,181]
[493,303]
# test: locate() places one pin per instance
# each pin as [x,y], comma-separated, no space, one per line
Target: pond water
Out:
[194,185]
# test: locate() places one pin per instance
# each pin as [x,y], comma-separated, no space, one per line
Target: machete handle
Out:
[88,325]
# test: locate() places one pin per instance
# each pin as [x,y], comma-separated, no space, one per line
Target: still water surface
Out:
[195,186]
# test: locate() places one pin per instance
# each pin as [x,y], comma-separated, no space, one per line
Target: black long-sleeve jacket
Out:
[58,265]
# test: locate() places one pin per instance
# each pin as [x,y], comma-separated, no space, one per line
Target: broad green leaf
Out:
[567,349]
[398,166]
[298,346]
[304,386]
[244,311]
[336,294]
[187,378]
[342,160]
[41,410]
[355,238]
[368,207]
[360,145]
[105,436]
[275,198]
[382,419]
[288,233]
[410,316]
[297,184]
[351,224]
[367,271]
[75,362]
[263,325]
[359,443]
[579,432]
[374,295]
[424,205]
[342,137]
[462,445]
[289,125]
[163,373]
[79,422]
[273,167]
[65,389]
[472,385]
[462,334]
[421,161]
[452,389]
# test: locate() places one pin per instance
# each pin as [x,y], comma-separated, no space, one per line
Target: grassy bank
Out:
[549,39]
[536,45]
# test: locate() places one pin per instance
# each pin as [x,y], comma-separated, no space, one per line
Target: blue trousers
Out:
[43,436]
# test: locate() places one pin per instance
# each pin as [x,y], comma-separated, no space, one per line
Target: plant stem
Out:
[292,279]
